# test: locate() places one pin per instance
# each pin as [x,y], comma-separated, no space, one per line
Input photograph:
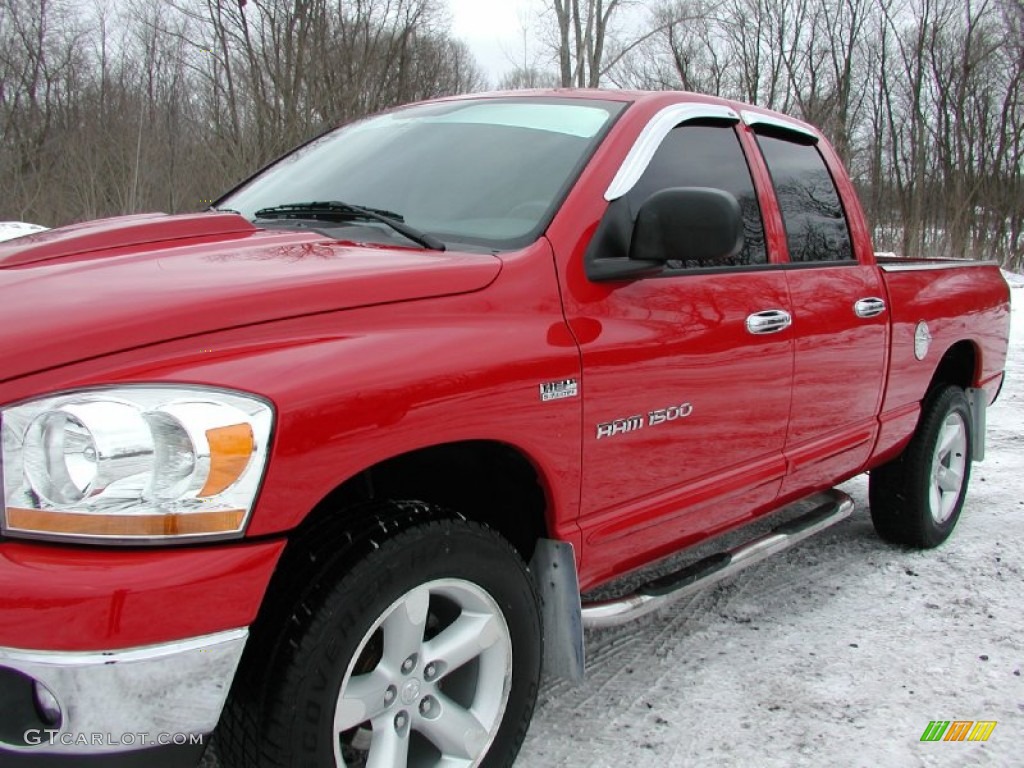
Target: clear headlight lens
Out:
[133,463]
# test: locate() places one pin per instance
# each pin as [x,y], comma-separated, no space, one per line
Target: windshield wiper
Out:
[333,210]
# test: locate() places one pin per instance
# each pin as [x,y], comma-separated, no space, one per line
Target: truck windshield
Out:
[487,172]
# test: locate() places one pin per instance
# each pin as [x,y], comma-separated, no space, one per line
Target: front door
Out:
[685,396]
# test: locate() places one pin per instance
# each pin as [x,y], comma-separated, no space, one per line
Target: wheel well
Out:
[958,367]
[486,481]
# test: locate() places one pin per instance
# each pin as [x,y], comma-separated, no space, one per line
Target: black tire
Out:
[902,493]
[282,709]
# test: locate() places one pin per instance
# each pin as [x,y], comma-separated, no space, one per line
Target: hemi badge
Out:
[558,390]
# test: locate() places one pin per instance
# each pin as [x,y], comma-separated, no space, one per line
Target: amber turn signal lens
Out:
[113,525]
[230,450]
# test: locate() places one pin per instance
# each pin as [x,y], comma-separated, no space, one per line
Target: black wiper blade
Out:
[326,207]
[335,210]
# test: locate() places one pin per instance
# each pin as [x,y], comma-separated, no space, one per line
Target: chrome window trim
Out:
[923,266]
[759,118]
[653,134]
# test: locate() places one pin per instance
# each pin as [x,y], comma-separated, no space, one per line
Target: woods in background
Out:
[923,99]
[163,104]
[118,107]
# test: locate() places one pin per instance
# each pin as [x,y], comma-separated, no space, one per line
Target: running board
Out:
[831,507]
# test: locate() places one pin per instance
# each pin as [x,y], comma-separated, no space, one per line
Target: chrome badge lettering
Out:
[671,413]
[620,426]
[652,419]
[558,390]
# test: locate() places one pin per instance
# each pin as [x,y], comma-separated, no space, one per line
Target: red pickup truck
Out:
[325,471]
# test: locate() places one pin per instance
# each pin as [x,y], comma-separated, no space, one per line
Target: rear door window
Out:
[812,212]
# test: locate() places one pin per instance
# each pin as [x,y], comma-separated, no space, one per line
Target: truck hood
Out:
[92,289]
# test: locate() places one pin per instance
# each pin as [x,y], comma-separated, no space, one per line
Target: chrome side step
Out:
[830,508]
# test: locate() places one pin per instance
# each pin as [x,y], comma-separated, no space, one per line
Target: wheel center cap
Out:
[410,691]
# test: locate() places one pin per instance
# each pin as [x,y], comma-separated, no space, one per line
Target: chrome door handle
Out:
[870,307]
[769,321]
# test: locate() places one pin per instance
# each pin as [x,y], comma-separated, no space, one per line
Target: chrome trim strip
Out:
[952,264]
[775,121]
[653,134]
[172,688]
[617,612]
[612,613]
[143,653]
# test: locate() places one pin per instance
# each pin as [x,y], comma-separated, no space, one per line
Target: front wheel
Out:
[426,653]
[916,499]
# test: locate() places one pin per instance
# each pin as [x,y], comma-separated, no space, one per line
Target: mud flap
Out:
[553,568]
[977,399]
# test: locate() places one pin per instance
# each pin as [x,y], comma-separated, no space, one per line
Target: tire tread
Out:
[898,490]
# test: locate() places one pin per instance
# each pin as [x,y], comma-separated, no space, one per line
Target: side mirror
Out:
[697,225]
[689,224]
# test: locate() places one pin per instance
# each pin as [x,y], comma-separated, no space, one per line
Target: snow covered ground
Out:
[837,653]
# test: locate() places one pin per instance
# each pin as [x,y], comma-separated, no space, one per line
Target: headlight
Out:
[134,463]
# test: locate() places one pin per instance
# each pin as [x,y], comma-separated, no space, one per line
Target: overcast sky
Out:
[493,29]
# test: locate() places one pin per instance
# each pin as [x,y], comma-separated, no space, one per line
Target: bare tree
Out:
[118,107]
[583,30]
[529,77]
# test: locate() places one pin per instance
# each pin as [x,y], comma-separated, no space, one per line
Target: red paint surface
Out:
[63,599]
[370,352]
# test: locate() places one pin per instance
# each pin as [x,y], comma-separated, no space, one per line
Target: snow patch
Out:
[1013,279]
[12,229]
[1016,283]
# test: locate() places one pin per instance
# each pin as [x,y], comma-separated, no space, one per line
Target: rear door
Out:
[685,407]
[840,318]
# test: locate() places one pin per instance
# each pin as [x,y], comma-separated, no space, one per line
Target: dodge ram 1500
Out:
[326,469]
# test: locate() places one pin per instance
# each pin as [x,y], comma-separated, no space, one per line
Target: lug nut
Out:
[400,721]
[389,694]
[430,671]
[425,707]
[408,664]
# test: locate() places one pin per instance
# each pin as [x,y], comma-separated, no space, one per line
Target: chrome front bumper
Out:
[117,701]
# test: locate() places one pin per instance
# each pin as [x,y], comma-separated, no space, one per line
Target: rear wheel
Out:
[426,652]
[916,499]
